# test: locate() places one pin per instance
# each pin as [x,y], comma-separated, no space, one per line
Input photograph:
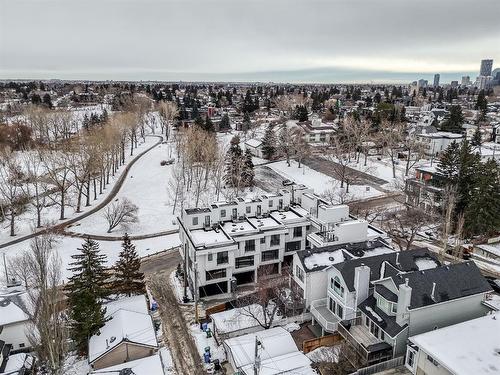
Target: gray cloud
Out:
[252,39]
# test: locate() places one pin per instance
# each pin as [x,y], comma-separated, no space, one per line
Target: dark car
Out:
[288,182]
[495,283]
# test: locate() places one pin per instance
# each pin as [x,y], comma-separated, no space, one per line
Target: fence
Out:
[310,345]
[374,369]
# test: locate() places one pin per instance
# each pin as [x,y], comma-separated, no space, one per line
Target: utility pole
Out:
[5,269]
[196,317]
[256,362]
[185,272]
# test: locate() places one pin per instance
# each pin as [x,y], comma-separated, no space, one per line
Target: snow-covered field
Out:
[67,246]
[27,221]
[320,182]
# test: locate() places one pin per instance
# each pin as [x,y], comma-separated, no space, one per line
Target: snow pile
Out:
[324,354]
[290,327]
[240,318]
[374,314]
[425,263]
[202,341]
[324,259]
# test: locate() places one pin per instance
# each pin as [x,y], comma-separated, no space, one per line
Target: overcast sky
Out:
[268,40]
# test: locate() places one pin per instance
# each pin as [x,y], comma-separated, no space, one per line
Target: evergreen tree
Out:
[246,121]
[455,120]
[129,278]
[301,113]
[481,105]
[248,172]
[482,215]
[448,165]
[269,143]
[47,101]
[86,288]
[224,122]
[209,125]
[476,138]
[233,162]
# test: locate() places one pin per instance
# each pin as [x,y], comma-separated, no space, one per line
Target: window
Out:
[382,335]
[249,245]
[270,203]
[222,257]
[195,221]
[207,220]
[410,358]
[270,255]
[331,304]
[210,257]
[263,240]
[297,232]
[259,210]
[337,288]
[280,204]
[300,273]
[244,261]
[248,209]
[235,213]
[275,240]
[222,213]
[217,274]
[374,329]
[394,308]
[292,246]
[340,311]
[367,321]
[21,345]
[432,360]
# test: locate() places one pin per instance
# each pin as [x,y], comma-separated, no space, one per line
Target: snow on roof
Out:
[237,228]
[278,352]
[239,318]
[16,362]
[134,303]
[208,237]
[130,325]
[491,248]
[471,347]
[12,308]
[327,258]
[425,263]
[295,363]
[264,223]
[145,366]
[286,216]
[253,142]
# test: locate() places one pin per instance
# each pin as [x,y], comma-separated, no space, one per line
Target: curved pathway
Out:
[116,187]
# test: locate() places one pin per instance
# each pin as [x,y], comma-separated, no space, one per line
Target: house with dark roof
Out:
[310,266]
[380,301]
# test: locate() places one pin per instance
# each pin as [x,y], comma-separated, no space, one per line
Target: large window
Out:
[410,358]
[249,245]
[244,261]
[292,246]
[222,213]
[297,232]
[270,255]
[217,274]
[195,220]
[299,272]
[337,287]
[222,257]
[275,240]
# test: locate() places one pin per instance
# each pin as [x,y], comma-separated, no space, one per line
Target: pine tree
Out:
[454,122]
[233,162]
[209,125]
[128,277]
[269,143]
[248,172]
[224,122]
[476,138]
[482,215]
[86,288]
[246,121]
[449,161]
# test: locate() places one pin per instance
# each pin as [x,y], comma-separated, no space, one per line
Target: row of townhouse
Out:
[377,302]
[230,243]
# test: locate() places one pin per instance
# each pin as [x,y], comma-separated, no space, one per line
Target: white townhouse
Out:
[14,320]
[229,243]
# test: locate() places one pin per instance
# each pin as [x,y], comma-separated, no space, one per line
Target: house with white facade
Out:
[436,143]
[376,303]
[14,320]
[229,243]
[311,266]
[471,347]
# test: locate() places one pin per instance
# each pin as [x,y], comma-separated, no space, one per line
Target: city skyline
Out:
[221,40]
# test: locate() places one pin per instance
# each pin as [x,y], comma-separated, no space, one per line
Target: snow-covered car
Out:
[287,182]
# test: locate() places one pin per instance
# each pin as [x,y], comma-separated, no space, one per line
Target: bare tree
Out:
[121,212]
[40,268]
[404,225]
[300,147]
[391,138]
[167,111]
[58,174]
[175,187]
[13,200]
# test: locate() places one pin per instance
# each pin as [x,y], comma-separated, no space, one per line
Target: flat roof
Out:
[264,223]
[471,347]
[285,216]
[203,237]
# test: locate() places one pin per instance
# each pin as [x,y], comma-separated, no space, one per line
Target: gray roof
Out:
[405,263]
[387,322]
[452,282]
[386,293]
[352,250]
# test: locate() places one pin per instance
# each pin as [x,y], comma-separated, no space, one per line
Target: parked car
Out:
[288,182]
[167,162]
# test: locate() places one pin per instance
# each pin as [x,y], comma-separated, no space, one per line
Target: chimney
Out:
[433,296]
[397,259]
[404,300]
[107,344]
[361,283]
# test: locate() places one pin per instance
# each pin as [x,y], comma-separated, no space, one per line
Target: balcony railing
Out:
[324,316]
[367,349]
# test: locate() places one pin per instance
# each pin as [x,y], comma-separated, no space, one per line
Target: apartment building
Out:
[231,243]
[425,190]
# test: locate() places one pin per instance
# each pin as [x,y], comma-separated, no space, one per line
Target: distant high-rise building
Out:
[486,67]
[482,81]
[466,81]
[454,84]
[436,80]
[422,83]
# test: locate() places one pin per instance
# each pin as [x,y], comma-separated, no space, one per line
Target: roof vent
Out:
[433,292]
[112,339]
[331,259]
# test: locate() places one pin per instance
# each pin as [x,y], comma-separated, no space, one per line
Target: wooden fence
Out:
[310,345]
[379,367]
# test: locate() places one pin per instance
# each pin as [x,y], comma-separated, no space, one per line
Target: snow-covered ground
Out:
[320,182]
[202,341]
[67,246]
[27,221]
